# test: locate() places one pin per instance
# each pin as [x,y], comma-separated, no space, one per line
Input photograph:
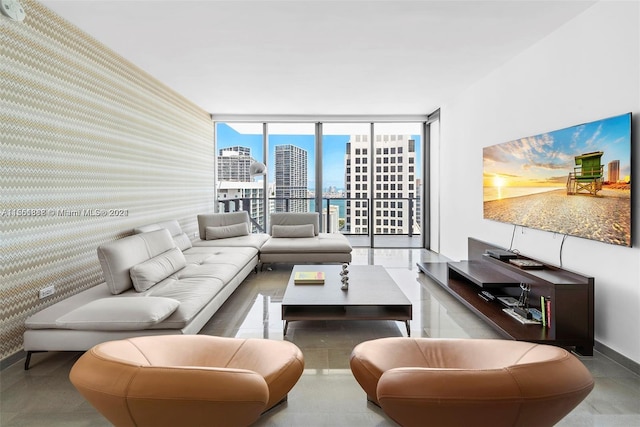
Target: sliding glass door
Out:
[345,181]
[238,146]
[397,194]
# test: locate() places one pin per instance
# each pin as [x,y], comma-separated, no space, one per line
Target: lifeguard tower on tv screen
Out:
[587,175]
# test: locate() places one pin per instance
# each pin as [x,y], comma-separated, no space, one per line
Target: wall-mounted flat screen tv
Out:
[574,181]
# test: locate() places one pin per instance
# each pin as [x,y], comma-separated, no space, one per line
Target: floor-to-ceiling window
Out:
[364,178]
[397,184]
[345,181]
[238,145]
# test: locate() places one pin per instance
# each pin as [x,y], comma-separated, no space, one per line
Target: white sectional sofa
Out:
[156,283]
[159,282]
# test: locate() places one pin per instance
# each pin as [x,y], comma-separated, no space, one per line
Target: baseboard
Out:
[617,357]
[611,354]
[13,359]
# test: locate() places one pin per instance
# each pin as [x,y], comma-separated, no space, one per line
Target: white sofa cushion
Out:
[152,271]
[180,238]
[322,243]
[296,218]
[194,293]
[119,314]
[117,257]
[253,240]
[226,231]
[304,230]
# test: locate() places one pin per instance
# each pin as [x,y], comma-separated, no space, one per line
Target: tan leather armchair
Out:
[190,380]
[457,382]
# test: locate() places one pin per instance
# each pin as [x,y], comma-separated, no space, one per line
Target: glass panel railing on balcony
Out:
[397,218]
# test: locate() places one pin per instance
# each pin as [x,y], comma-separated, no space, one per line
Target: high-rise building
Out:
[233,164]
[614,171]
[394,184]
[236,188]
[291,178]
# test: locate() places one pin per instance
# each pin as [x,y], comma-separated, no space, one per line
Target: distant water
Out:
[341,203]
[498,193]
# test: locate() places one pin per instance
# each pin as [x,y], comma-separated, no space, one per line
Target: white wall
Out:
[586,70]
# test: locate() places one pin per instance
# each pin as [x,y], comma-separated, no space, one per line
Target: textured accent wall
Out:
[91,146]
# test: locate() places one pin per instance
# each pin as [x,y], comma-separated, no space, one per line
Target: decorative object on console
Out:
[523,303]
[345,277]
[567,181]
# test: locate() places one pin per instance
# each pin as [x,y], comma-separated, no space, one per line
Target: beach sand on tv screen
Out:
[606,217]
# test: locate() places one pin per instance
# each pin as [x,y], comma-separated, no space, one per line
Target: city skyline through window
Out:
[370,184]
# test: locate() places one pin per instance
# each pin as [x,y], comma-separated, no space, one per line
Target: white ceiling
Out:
[318,57]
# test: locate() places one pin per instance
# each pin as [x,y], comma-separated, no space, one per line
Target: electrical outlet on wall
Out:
[46,292]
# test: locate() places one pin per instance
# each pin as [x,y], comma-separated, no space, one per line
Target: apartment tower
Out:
[291,179]
[236,188]
[394,184]
[233,164]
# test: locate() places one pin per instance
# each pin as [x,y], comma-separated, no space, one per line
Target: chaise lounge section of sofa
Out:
[295,238]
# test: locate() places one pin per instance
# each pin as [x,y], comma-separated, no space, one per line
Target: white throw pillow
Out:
[304,230]
[226,231]
[119,314]
[156,269]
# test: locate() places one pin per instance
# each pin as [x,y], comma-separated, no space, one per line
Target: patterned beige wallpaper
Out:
[91,146]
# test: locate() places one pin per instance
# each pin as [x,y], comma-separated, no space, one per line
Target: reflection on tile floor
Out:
[327,394]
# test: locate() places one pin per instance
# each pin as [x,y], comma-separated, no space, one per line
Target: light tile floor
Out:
[327,394]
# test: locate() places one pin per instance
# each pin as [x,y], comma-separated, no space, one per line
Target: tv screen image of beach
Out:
[574,181]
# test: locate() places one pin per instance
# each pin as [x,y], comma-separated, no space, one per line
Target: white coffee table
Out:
[372,295]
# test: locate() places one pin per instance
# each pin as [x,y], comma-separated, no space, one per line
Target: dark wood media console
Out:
[571,296]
